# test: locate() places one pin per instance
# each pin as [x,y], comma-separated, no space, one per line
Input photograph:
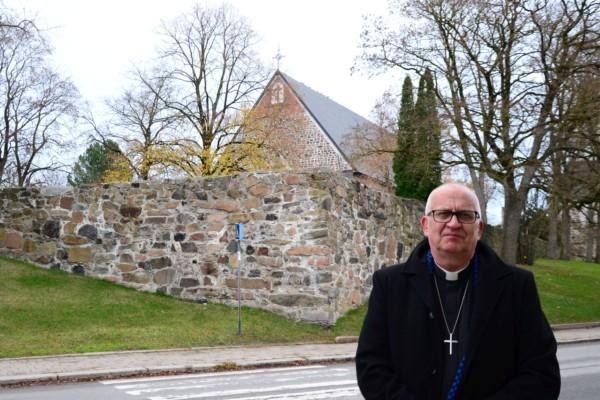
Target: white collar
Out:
[450,275]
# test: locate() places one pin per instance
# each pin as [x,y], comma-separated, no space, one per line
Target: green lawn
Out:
[569,290]
[53,312]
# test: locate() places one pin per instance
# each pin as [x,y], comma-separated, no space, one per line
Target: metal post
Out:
[239,228]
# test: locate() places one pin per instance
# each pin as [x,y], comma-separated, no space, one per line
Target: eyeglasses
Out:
[463,216]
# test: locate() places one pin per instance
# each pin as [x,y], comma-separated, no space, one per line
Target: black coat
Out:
[511,349]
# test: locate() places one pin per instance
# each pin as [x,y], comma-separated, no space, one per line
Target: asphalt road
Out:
[580,368]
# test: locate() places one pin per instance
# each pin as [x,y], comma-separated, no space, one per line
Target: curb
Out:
[157,370]
[579,325]
[89,376]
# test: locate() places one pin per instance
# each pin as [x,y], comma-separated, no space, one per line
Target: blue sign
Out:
[239,231]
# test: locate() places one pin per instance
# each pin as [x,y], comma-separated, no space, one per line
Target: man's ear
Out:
[424,225]
[480,229]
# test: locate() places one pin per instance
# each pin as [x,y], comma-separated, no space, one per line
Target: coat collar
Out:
[487,286]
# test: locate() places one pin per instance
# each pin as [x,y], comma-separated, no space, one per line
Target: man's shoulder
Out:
[502,267]
[392,271]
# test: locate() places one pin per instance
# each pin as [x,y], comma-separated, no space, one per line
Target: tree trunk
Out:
[590,230]
[565,233]
[478,181]
[513,208]
[552,250]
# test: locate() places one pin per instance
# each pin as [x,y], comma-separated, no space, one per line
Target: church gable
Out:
[293,131]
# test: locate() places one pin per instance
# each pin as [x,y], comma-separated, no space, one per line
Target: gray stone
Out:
[159,263]
[271,200]
[178,194]
[189,247]
[297,300]
[315,234]
[51,228]
[324,277]
[201,195]
[232,247]
[188,282]
[164,276]
[255,273]
[88,231]
[78,269]
[399,250]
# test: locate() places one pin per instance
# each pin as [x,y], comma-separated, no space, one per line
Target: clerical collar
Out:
[450,275]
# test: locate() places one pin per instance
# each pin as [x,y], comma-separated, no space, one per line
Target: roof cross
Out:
[278,57]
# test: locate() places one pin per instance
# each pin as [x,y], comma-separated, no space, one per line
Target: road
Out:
[580,368]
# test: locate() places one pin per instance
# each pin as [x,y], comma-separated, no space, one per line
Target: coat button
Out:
[431,315]
[433,371]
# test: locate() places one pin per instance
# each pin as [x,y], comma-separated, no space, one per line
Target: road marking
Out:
[311,395]
[208,375]
[578,370]
[236,392]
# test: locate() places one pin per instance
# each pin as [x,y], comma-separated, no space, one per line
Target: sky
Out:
[96,43]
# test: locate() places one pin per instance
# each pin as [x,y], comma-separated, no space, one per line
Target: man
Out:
[455,321]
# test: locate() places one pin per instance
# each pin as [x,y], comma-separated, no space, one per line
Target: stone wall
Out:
[312,241]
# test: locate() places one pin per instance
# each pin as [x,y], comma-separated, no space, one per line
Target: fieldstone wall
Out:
[312,241]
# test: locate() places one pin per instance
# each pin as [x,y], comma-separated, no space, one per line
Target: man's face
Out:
[452,241]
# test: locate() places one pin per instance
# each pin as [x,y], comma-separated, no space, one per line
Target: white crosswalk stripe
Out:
[295,383]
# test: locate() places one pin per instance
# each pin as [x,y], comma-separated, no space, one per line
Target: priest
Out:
[455,321]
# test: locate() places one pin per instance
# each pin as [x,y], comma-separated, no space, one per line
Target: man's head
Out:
[452,224]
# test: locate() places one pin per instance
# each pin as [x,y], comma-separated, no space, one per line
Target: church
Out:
[305,130]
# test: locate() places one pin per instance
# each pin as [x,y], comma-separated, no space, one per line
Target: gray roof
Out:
[335,119]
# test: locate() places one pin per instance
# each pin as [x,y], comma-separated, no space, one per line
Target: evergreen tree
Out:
[428,138]
[101,162]
[404,177]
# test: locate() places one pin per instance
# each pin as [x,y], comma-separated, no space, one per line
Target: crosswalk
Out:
[296,383]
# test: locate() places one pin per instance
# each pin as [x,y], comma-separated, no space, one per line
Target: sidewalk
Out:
[92,366]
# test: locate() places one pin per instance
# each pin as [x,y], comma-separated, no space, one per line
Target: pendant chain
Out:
[437,289]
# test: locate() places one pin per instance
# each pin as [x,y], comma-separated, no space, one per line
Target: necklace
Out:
[450,341]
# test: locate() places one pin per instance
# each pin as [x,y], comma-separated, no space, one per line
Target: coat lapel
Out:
[420,277]
[487,293]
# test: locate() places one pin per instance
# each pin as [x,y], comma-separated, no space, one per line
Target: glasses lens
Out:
[466,217]
[442,215]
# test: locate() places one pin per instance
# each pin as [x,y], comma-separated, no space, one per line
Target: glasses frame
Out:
[456,213]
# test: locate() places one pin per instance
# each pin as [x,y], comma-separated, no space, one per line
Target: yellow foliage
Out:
[119,170]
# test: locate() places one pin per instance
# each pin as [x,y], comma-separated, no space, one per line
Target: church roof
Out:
[335,119]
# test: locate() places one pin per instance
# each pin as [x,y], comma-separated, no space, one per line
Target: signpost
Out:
[239,235]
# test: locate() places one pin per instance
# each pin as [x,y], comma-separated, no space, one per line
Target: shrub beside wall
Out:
[312,241]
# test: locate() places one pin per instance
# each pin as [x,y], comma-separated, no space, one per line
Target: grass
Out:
[569,290]
[52,312]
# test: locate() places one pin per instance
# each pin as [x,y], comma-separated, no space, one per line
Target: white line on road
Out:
[207,375]
[235,392]
[578,370]
[311,395]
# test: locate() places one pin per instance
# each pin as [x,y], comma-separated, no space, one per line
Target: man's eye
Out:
[444,214]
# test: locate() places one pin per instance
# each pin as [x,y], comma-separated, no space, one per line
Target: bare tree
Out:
[145,126]
[499,66]
[35,103]
[213,71]
[371,147]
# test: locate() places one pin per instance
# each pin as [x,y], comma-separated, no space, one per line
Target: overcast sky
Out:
[97,42]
